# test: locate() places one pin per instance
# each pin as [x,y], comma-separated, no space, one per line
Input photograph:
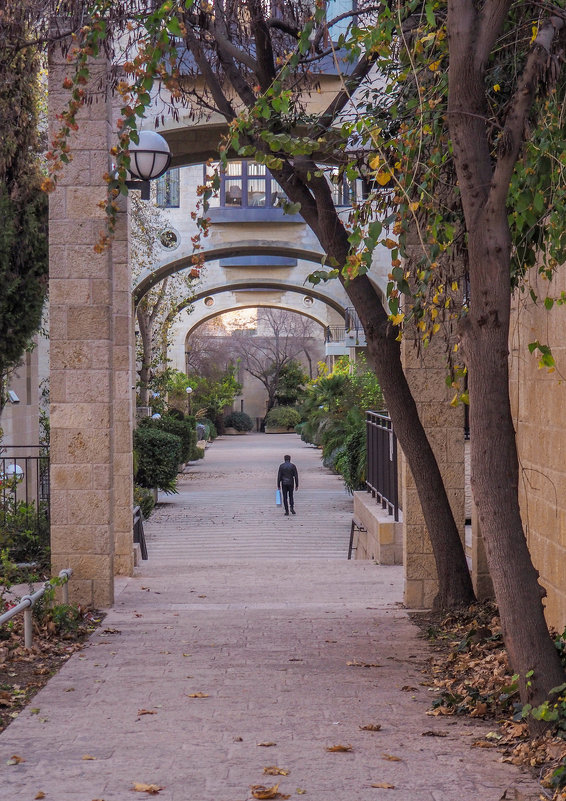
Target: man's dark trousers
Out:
[288,497]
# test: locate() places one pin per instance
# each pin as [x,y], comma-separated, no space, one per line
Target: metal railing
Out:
[24,484]
[381,473]
[139,535]
[334,333]
[27,602]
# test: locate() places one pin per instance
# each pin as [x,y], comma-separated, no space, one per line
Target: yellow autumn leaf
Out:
[383,785]
[396,319]
[414,205]
[266,744]
[383,177]
[273,770]
[87,757]
[454,286]
[199,695]
[336,748]
[371,727]
[390,243]
[435,65]
[534,32]
[41,794]
[391,758]
[300,791]
[375,162]
[496,87]
[262,792]
[435,328]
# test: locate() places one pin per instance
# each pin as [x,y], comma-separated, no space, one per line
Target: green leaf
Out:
[548,303]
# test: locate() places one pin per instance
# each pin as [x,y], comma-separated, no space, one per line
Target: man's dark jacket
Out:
[287,475]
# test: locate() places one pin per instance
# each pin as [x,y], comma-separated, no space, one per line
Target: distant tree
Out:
[292,382]
[23,206]
[282,336]
[147,224]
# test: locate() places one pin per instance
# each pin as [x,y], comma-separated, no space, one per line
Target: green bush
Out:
[211,432]
[183,429]
[158,457]
[239,420]
[24,531]
[143,498]
[282,417]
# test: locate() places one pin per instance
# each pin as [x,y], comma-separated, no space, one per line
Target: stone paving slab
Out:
[269,646]
[299,652]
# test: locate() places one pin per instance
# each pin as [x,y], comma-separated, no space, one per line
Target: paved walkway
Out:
[207,671]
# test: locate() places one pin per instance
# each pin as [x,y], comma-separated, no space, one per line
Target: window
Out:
[168,190]
[248,185]
[343,190]
[335,8]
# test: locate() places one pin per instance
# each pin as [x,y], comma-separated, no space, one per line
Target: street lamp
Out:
[150,157]
[188,391]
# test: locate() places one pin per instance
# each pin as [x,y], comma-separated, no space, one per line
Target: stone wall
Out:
[538,403]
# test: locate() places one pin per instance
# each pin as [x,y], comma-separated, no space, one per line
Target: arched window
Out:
[168,189]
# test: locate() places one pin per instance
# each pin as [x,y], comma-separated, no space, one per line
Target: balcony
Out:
[339,339]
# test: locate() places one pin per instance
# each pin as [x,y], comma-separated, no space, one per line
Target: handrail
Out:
[28,601]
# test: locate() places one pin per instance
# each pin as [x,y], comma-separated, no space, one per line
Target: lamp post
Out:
[188,391]
[149,159]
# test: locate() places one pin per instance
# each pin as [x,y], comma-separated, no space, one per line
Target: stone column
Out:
[444,425]
[90,323]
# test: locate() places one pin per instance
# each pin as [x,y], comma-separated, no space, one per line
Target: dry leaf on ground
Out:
[41,794]
[300,791]
[88,756]
[151,789]
[391,758]
[383,785]
[15,759]
[199,695]
[262,792]
[371,727]
[431,733]
[146,712]
[273,770]
[339,747]
[266,744]
[355,663]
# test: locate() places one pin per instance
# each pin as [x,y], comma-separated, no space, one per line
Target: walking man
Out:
[287,480]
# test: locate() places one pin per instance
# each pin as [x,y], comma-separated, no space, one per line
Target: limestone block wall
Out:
[444,424]
[539,407]
[90,359]
[382,540]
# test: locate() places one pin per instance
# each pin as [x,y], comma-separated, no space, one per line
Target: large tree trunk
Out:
[454,581]
[485,333]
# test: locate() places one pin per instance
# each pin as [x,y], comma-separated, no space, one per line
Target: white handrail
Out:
[28,601]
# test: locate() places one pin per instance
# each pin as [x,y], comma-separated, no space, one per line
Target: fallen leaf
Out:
[391,758]
[260,791]
[199,695]
[238,740]
[41,794]
[146,712]
[267,744]
[34,710]
[371,727]
[300,791]
[202,596]
[355,663]
[151,789]
[408,689]
[383,785]
[15,759]
[112,631]
[88,756]
[339,747]
[273,770]
[70,690]
[430,733]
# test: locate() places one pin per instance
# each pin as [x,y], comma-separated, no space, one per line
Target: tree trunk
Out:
[495,469]
[454,581]
[484,186]
[146,355]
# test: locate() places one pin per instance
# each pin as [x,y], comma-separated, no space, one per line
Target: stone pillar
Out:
[90,323]
[444,425]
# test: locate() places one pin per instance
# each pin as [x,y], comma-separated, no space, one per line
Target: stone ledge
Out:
[383,539]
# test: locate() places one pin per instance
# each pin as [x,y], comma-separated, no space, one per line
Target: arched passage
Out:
[226,250]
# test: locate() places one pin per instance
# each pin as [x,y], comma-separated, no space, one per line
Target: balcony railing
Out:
[381,474]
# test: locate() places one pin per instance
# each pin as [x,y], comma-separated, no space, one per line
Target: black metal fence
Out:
[382,479]
[24,502]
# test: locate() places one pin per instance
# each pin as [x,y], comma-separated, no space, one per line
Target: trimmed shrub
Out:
[158,458]
[239,420]
[282,417]
[211,432]
[180,428]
